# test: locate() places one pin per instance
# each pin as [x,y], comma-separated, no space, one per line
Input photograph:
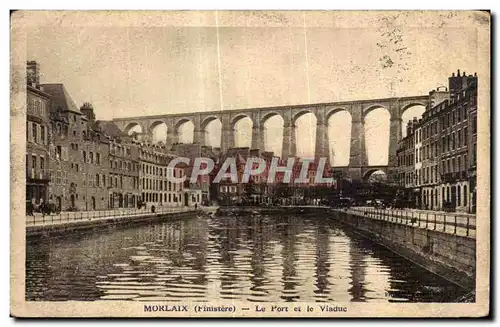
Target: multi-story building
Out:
[78,152]
[429,123]
[37,137]
[417,134]
[406,166]
[459,156]
[311,192]
[456,142]
[227,190]
[469,101]
[406,158]
[155,186]
[199,191]
[259,189]
[445,148]
[123,172]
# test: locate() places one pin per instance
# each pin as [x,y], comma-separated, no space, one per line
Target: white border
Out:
[185,4]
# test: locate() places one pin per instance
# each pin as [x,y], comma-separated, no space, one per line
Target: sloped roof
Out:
[60,98]
[109,128]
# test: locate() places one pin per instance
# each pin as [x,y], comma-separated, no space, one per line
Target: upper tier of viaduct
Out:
[358,163]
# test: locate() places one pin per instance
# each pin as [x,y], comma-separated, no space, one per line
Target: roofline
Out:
[39,92]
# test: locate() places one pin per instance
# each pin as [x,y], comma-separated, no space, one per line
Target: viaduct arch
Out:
[358,163]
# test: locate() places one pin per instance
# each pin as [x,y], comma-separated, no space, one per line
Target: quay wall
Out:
[450,256]
[94,224]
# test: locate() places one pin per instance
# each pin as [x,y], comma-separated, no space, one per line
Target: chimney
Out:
[455,84]
[33,73]
[88,110]
[409,128]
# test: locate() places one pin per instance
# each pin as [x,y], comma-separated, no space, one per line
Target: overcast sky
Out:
[250,60]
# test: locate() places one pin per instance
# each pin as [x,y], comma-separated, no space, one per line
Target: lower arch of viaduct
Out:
[358,163]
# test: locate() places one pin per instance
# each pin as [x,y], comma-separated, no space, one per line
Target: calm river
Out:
[243,258]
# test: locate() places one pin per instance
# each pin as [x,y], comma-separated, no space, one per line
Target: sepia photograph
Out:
[250,163]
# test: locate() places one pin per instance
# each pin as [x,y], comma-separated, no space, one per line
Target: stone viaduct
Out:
[358,164]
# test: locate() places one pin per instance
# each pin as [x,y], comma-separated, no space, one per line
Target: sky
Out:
[202,61]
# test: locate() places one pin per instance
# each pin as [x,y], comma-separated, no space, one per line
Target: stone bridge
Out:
[358,163]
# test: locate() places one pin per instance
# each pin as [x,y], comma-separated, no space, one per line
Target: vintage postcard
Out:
[250,164]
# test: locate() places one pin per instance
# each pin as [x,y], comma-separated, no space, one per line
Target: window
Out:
[91,157]
[98,158]
[58,177]
[84,153]
[465,136]
[474,124]
[33,161]
[42,163]
[34,132]
[42,134]
[58,152]
[97,180]
[466,196]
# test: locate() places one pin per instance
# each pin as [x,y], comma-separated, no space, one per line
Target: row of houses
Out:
[437,159]
[80,163]
[260,189]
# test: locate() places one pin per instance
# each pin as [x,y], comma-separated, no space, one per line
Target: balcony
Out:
[41,175]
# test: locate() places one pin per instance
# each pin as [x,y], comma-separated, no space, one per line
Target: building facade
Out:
[460,127]
[37,137]
[154,185]
[79,151]
[123,177]
[445,148]
[199,190]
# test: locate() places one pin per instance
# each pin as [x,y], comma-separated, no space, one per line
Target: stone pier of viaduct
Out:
[358,164]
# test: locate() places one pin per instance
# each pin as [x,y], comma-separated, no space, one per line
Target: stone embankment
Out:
[66,223]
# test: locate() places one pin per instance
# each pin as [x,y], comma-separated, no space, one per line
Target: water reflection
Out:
[246,258]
